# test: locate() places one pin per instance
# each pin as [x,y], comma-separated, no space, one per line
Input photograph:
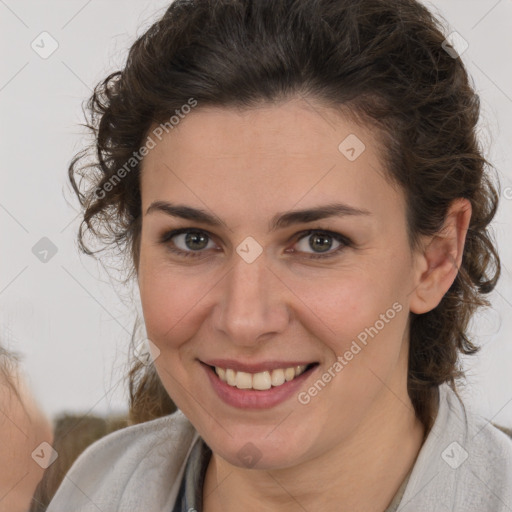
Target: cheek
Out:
[171,303]
[359,314]
[346,304]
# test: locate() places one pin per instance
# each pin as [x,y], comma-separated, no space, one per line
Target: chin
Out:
[260,448]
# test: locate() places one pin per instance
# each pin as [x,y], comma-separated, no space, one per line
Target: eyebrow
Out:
[279,221]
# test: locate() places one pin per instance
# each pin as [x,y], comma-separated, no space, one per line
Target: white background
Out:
[69,324]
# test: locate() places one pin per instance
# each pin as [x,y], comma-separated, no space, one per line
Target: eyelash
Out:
[343,240]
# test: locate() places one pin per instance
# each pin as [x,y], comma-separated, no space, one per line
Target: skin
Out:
[23,427]
[351,446]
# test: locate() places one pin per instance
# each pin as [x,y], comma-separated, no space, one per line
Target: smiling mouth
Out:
[260,381]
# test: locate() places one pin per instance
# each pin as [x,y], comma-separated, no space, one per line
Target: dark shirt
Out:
[190,495]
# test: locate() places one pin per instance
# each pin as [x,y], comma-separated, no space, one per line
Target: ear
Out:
[439,259]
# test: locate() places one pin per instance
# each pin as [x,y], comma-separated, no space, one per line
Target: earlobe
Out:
[440,258]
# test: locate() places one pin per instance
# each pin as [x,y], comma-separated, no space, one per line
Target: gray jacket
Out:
[465,465]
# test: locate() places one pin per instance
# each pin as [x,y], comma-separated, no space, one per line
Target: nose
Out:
[252,305]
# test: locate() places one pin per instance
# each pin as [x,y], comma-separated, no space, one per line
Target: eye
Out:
[316,243]
[323,244]
[188,242]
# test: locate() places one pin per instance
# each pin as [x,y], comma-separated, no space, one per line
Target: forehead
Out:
[249,161]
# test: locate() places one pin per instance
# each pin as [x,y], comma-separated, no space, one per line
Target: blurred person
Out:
[23,427]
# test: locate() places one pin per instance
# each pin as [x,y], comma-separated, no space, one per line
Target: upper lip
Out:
[254,367]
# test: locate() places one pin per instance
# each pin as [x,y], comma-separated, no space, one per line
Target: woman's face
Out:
[245,286]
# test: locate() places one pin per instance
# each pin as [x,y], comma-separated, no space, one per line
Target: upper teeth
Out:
[261,380]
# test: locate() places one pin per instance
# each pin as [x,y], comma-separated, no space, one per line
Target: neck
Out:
[362,473]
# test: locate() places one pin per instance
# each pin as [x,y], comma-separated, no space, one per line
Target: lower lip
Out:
[253,399]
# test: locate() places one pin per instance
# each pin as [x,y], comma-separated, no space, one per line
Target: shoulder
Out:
[485,471]
[136,468]
[490,457]
[464,464]
[484,441]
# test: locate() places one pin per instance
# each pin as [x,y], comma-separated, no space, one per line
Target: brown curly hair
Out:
[384,63]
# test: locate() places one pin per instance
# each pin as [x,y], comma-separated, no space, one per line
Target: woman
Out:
[300,190]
